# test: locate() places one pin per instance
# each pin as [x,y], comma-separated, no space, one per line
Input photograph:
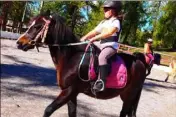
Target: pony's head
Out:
[37,31]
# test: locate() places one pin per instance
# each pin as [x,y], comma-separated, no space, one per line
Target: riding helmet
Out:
[113,4]
[150,40]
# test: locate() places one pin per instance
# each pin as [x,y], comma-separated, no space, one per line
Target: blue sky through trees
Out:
[148,25]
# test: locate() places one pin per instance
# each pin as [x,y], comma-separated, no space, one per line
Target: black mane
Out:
[59,33]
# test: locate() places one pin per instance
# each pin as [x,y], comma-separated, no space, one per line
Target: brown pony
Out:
[66,54]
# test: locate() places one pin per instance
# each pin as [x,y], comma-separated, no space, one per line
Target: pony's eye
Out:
[38,26]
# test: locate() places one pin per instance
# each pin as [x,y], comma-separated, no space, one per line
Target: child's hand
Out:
[92,40]
[83,39]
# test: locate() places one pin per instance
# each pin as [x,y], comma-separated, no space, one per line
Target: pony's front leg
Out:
[72,105]
[65,96]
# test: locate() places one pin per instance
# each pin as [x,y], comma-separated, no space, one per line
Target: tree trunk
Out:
[126,35]
[23,17]
[174,45]
[73,15]
[5,11]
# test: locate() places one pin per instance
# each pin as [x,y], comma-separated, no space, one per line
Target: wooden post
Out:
[22,19]
[24,12]
[41,5]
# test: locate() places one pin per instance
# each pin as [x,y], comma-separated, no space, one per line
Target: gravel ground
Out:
[28,85]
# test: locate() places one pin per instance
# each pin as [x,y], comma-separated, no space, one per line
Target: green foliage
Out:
[71,11]
[16,10]
[133,21]
[141,37]
[159,15]
[165,28]
[95,16]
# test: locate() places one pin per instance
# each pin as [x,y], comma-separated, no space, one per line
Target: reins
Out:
[70,44]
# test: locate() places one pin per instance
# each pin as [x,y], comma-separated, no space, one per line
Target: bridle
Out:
[43,32]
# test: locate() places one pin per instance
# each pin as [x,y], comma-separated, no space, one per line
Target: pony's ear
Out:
[45,13]
[48,13]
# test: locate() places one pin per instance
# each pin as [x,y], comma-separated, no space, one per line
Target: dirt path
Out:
[28,85]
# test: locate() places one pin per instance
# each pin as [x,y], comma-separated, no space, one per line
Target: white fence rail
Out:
[9,35]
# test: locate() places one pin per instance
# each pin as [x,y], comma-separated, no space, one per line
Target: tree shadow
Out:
[150,85]
[87,111]
[36,74]
[32,76]
[18,91]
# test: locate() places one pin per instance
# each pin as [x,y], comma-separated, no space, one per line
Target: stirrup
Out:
[99,81]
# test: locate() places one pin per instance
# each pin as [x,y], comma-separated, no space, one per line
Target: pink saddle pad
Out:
[149,58]
[118,76]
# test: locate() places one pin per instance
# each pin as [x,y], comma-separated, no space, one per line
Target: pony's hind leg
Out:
[130,104]
[125,109]
[62,99]
[135,104]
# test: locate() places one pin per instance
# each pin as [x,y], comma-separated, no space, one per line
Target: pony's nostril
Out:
[32,42]
[17,42]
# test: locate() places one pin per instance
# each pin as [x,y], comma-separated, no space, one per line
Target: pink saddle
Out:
[118,76]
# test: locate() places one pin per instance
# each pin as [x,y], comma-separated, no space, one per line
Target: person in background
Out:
[148,51]
[105,37]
